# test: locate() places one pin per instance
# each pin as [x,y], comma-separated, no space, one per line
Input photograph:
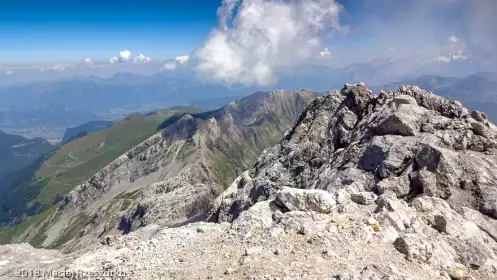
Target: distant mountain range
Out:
[46,114]
[121,91]
[72,101]
[84,129]
[476,92]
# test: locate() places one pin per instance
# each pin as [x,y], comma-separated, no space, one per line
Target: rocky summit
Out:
[399,185]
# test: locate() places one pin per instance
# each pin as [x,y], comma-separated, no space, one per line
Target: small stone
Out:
[277,252]
[329,253]
[405,99]
[398,185]
[364,198]
[252,251]
[440,223]
[372,221]
[479,116]
[457,274]
[393,269]
[229,270]
[427,127]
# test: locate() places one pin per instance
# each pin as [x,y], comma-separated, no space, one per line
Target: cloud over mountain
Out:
[142,59]
[256,38]
[174,64]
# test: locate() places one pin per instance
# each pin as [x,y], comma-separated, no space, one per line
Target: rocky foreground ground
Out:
[400,185]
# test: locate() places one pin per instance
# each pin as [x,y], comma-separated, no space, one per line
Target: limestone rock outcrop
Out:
[423,162]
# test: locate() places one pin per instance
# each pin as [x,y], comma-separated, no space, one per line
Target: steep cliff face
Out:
[400,185]
[175,174]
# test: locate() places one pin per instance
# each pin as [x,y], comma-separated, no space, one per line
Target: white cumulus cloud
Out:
[182,59]
[168,66]
[142,59]
[460,55]
[60,67]
[325,53]
[124,56]
[87,62]
[173,64]
[453,39]
[256,39]
[444,59]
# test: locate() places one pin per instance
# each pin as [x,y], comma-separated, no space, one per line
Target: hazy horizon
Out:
[250,42]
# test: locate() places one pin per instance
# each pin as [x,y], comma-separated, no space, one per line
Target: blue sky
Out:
[253,49]
[47,31]
[34,31]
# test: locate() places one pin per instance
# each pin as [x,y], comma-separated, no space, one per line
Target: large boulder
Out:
[306,200]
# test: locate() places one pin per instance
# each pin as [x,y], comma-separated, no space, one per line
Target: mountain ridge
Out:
[42,184]
[476,92]
[205,149]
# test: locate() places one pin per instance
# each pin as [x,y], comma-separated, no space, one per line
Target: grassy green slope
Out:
[75,162]
[32,191]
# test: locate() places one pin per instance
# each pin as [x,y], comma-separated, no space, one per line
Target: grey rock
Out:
[306,200]
[364,198]
[398,185]
[259,216]
[405,121]
[479,116]
[418,249]
[404,99]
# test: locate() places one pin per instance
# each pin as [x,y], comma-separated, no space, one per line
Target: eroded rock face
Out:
[408,142]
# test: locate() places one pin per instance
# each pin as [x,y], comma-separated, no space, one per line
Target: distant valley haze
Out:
[65,63]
